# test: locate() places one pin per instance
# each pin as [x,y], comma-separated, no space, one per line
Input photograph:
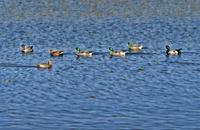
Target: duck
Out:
[172,52]
[135,47]
[83,53]
[55,52]
[47,65]
[26,48]
[116,53]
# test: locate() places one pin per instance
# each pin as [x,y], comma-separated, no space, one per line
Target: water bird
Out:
[134,47]
[47,65]
[55,52]
[83,53]
[26,48]
[116,53]
[172,52]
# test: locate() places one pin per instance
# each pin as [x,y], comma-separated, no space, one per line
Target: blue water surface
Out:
[145,90]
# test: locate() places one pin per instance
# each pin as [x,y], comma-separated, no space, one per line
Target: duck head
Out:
[110,49]
[22,46]
[50,62]
[50,50]
[78,49]
[129,45]
[167,47]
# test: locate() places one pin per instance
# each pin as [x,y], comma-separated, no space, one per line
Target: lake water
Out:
[145,90]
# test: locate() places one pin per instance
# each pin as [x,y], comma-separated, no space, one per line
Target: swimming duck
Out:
[55,52]
[26,48]
[47,65]
[116,53]
[134,47]
[173,52]
[83,53]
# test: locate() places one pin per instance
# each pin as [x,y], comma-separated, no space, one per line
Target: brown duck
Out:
[55,52]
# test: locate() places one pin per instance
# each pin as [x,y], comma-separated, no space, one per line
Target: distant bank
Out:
[18,10]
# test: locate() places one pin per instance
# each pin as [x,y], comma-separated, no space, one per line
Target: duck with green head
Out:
[26,48]
[83,53]
[172,52]
[134,47]
[47,65]
[116,53]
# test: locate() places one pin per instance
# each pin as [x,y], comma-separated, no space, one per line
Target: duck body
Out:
[55,52]
[47,65]
[135,47]
[174,52]
[83,53]
[26,48]
[116,53]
